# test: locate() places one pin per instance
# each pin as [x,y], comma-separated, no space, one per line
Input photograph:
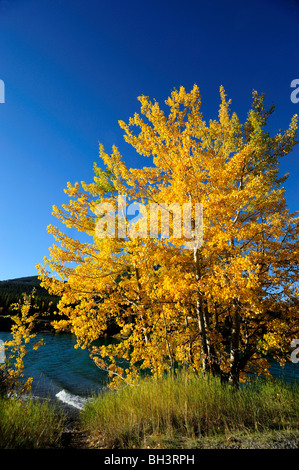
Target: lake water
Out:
[68,375]
[60,371]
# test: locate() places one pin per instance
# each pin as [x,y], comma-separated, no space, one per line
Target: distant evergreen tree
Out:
[11,292]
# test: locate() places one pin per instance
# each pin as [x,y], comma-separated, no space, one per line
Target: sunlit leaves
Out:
[219,307]
[22,333]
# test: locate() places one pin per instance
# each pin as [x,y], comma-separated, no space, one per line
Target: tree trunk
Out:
[200,317]
[139,290]
[234,372]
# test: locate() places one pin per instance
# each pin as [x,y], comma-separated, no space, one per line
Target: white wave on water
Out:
[70,399]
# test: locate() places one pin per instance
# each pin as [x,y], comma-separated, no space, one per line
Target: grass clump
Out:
[183,410]
[28,424]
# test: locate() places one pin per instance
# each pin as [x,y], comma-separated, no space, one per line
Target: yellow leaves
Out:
[180,97]
[72,190]
[21,335]
[172,304]
[224,109]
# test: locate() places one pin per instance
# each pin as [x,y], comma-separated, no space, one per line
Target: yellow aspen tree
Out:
[22,333]
[219,305]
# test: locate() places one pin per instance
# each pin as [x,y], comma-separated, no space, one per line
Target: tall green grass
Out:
[28,424]
[182,407]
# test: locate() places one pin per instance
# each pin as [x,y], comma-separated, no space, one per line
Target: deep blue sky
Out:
[73,68]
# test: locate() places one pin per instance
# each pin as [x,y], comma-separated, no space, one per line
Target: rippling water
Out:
[60,371]
[63,373]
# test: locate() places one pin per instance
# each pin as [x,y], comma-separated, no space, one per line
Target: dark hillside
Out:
[11,292]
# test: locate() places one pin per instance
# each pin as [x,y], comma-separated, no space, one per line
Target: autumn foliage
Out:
[219,307]
[12,372]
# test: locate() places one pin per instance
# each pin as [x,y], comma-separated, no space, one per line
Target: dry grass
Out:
[184,409]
